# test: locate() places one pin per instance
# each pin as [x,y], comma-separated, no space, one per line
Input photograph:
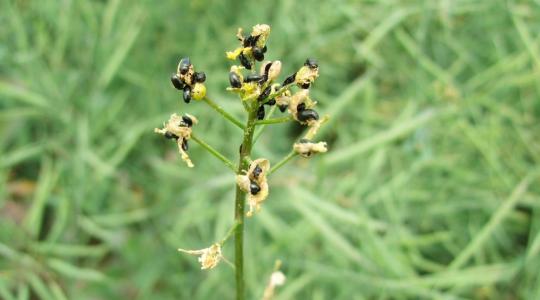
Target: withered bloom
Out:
[208,257]
[254,183]
[179,129]
[306,148]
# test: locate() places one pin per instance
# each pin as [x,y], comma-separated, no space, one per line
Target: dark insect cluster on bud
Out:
[188,81]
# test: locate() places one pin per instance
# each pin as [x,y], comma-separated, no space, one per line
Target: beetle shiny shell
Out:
[187,120]
[260,113]
[264,94]
[282,108]
[234,79]
[187,94]
[311,63]
[183,67]
[257,53]
[177,83]
[253,77]
[254,188]
[289,80]
[170,135]
[301,107]
[199,77]
[244,61]
[307,114]
[271,102]
[256,172]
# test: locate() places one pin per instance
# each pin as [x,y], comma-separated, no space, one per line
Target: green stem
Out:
[274,120]
[245,152]
[282,162]
[225,114]
[214,152]
[230,232]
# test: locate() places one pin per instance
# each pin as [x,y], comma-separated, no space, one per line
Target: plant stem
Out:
[214,152]
[245,152]
[274,120]
[282,162]
[225,114]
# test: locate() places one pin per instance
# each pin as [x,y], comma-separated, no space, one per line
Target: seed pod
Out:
[311,63]
[244,61]
[183,66]
[187,120]
[289,80]
[199,77]
[257,53]
[187,93]
[254,188]
[185,145]
[307,115]
[264,94]
[199,91]
[274,70]
[253,77]
[260,113]
[169,135]
[282,108]
[235,80]
[177,83]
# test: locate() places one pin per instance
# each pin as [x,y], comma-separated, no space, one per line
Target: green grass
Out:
[430,189]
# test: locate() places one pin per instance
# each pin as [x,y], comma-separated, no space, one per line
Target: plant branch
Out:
[230,232]
[282,162]
[274,120]
[214,152]
[225,114]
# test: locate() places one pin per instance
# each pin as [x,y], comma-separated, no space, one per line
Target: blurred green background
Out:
[430,189]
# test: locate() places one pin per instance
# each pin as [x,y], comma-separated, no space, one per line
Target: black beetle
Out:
[187,120]
[185,145]
[256,172]
[183,68]
[311,63]
[253,77]
[260,113]
[244,61]
[199,77]
[254,188]
[289,80]
[169,135]
[187,93]
[264,94]
[282,108]
[257,53]
[307,114]
[234,79]
[177,83]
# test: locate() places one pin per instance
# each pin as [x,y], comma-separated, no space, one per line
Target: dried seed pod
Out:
[307,148]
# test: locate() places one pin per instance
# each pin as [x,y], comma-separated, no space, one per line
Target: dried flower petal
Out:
[177,127]
[208,257]
[307,148]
